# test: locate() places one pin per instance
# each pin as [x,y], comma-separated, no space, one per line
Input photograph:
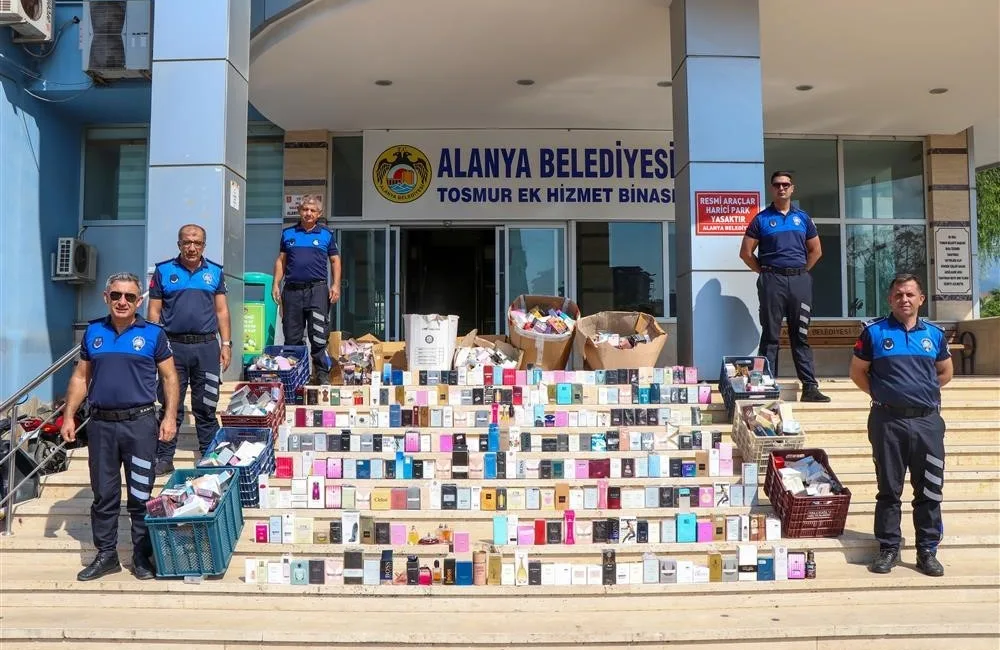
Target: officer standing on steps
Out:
[902,361]
[787,246]
[120,356]
[306,298]
[188,295]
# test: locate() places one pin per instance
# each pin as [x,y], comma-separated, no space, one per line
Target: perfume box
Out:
[685,572]
[765,568]
[668,530]
[772,528]
[687,528]
[353,567]
[780,563]
[746,559]
[730,568]
[370,571]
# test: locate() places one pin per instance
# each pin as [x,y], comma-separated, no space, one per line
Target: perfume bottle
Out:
[413,537]
[425,577]
[446,534]
[522,571]
[326,395]
[315,491]
[479,568]
[299,574]
[810,565]
[436,572]
[570,518]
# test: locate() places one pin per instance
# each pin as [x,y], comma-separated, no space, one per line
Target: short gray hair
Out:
[122,277]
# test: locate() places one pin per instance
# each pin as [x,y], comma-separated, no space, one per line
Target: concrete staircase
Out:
[42,606]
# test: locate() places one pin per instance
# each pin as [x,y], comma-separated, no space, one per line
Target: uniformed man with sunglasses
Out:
[787,247]
[187,294]
[120,358]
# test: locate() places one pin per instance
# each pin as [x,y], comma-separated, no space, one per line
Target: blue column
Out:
[198,135]
[719,140]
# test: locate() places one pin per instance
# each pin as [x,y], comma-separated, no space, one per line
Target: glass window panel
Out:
[814,166]
[827,285]
[536,262]
[672,266]
[362,302]
[620,267]
[876,254]
[265,178]
[883,179]
[348,176]
[114,185]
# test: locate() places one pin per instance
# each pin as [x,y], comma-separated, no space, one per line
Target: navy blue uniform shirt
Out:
[307,252]
[782,237]
[903,371]
[123,366]
[188,296]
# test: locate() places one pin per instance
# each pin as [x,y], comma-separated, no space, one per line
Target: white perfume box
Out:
[475,497]
[250,571]
[548,574]
[781,563]
[772,528]
[616,468]
[578,574]
[287,528]
[635,573]
[701,574]
[595,575]
[622,574]
[507,574]
[685,572]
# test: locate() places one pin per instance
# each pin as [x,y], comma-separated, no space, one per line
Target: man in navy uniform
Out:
[188,295]
[120,356]
[902,362]
[305,301]
[787,247]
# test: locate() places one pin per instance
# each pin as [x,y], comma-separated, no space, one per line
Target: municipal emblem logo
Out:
[796,221]
[926,345]
[887,344]
[315,242]
[207,277]
[174,279]
[98,342]
[138,343]
[402,174]
[773,223]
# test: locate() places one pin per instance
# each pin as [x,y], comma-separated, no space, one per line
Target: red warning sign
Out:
[725,213]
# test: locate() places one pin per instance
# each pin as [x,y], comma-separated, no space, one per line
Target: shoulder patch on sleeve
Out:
[934,325]
[873,321]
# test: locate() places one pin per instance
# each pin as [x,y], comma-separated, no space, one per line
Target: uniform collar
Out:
[773,210]
[139,322]
[180,263]
[898,325]
[316,228]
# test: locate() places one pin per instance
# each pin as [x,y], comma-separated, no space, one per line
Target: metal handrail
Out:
[40,379]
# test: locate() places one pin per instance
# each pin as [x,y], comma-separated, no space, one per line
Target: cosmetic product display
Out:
[196,496]
[228,454]
[808,476]
[244,403]
[275,362]
[551,321]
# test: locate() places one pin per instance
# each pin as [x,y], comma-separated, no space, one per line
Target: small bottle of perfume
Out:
[436,572]
[810,565]
[413,537]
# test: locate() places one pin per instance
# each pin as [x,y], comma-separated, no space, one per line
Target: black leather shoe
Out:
[812,394]
[104,564]
[142,568]
[164,467]
[887,558]
[928,564]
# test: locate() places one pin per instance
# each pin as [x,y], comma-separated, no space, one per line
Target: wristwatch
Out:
[228,343]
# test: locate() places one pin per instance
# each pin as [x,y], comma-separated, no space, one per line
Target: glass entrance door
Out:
[535,263]
[364,282]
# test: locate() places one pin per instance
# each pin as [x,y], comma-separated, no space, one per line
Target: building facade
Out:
[608,152]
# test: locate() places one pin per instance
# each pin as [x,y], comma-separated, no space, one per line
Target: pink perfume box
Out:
[445,441]
[333,496]
[706,497]
[397,534]
[704,530]
[319,466]
[525,535]
[690,375]
[334,468]
[411,442]
[461,542]
[562,418]
[582,469]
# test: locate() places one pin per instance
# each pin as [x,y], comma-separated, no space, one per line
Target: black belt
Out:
[121,415]
[777,271]
[191,338]
[303,285]
[904,411]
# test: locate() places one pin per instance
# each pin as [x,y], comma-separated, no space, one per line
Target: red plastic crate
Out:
[271,421]
[806,516]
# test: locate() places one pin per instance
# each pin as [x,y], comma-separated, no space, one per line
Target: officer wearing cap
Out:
[188,295]
[120,356]
[787,247]
[305,301]
[902,362]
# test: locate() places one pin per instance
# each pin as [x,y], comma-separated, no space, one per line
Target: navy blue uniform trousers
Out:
[787,297]
[916,444]
[305,312]
[197,365]
[113,445]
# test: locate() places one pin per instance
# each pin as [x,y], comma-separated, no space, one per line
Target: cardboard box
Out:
[604,356]
[430,341]
[333,345]
[545,351]
[501,343]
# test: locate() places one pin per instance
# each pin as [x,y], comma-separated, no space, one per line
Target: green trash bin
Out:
[260,314]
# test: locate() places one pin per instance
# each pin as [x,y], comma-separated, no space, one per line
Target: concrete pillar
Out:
[307,168]
[198,136]
[719,143]
[949,212]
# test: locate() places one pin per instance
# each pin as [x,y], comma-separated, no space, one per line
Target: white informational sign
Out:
[234,195]
[510,174]
[292,202]
[953,261]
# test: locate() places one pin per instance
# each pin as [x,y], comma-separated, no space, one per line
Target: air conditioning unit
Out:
[74,261]
[32,19]
[115,39]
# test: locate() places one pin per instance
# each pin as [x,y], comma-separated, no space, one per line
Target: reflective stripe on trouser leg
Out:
[799,314]
[105,481]
[205,393]
[319,332]
[890,442]
[137,446]
[927,464]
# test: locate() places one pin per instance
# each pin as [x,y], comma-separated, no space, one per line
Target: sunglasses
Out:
[115,296]
[781,186]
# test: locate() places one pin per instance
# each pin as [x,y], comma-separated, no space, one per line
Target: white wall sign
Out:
[234,195]
[953,261]
[506,174]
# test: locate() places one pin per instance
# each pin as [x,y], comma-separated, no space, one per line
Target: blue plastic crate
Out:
[200,545]
[264,464]
[290,379]
[730,396]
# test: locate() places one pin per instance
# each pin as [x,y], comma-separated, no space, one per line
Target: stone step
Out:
[817,625]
